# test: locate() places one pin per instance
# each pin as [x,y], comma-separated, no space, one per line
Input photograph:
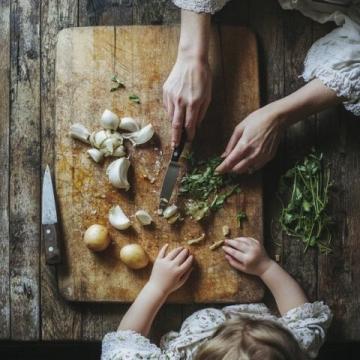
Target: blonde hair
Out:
[250,339]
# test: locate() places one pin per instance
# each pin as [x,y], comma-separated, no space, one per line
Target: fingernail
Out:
[223,154]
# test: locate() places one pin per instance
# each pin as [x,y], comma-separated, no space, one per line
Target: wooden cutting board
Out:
[142,57]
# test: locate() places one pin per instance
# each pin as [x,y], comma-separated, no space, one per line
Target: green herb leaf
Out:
[134,98]
[119,84]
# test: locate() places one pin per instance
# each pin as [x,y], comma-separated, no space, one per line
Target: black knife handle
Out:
[179,149]
[52,250]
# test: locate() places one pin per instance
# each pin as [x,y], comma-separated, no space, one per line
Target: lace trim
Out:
[201,6]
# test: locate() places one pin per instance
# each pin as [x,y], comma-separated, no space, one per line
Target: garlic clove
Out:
[119,151]
[109,120]
[96,155]
[117,173]
[143,217]
[107,147]
[129,124]
[173,219]
[170,211]
[118,219]
[98,138]
[226,230]
[141,136]
[80,132]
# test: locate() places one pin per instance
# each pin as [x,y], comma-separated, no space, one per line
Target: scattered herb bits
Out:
[135,99]
[304,215]
[241,217]
[118,84]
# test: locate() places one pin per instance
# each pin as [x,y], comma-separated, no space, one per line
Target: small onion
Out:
[96,237]
[134,256]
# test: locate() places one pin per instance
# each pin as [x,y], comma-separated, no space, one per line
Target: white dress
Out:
[335,58]
[308,323]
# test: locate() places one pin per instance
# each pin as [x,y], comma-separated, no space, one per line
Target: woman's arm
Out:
[249,255]
[255,140]
[170,272]
[187,91]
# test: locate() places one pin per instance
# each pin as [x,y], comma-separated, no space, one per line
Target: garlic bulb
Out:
[96,155]
[118,219]
[109,120]
[80,132]
[141,136]
[129,124]
[143,217]
[117,173]
[170,211]
[119,151]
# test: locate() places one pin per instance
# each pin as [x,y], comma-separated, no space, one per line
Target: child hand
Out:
[170,271]
[247,255]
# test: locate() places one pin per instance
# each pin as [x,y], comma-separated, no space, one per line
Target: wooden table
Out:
[30,307]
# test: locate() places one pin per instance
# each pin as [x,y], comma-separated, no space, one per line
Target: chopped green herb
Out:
[134,98]
[305,216]
[119,84]
[241,216]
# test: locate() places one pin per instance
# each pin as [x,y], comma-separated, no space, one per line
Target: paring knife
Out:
[49,221]
[172,172]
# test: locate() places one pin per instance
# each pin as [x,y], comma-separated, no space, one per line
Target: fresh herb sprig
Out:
[118,84]
[305,216]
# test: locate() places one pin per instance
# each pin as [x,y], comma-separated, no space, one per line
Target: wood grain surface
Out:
[86,60]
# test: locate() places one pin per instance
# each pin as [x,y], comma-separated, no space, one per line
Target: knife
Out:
[172,172]
[49,221]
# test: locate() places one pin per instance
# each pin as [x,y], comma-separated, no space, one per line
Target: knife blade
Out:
[172,172]
[49,220]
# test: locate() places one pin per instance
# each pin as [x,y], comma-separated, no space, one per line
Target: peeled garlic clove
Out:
[117,173]
[118,219]
[107,147]
[225,230]
[96,155]
[170,211]
[119,151]
[80,132]
[143,217]
[109,120]
[141,136]
[129,124]
[99,137]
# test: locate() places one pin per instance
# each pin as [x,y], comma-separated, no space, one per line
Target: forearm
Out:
[310,99]
[287,292]
[142,312]
[194,36]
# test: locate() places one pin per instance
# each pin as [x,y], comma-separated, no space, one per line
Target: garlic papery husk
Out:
[141,136]
[118,219]
[109,120]
[170,211]
[80,132]
[96,155]
[143,217]
[129,124]
[119,151]
[117,173]
[98,138]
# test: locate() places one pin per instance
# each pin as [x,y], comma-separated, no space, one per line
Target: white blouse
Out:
[333,59]
[308,323]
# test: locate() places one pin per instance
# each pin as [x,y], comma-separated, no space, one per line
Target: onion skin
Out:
[96,237]
[134,256]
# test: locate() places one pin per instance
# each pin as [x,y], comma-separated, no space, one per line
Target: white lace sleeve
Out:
[128,344]
[309,324]
[335,60]
[199,6]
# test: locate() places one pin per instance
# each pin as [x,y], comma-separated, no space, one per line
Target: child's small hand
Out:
[247,255]
[170,271]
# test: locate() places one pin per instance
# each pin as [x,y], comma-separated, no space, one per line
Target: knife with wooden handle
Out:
[49,221]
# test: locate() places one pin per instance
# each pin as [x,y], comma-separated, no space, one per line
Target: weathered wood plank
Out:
[4,168]
[59,319]
[25,169]
[155,12]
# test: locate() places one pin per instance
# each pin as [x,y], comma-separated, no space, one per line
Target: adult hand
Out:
[170,271]
[247,255]
[254,141]
[186,95]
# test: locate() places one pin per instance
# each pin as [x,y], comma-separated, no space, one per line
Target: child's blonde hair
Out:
[250,339]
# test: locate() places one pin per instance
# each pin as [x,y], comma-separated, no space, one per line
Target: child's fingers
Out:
[186,265]
[174,253]
[162,251]
[184,278]
[181,256]
[235,264]
[236,254]
[237,244]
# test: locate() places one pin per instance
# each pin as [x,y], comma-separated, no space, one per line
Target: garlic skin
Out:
[129,124]
[109,120]
[170,211]
[143,217]
[80,132]
[117,173]
[141,136]
[96,155]
[118,219]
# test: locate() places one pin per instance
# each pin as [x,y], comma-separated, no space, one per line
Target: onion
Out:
[134,256]
[96,237]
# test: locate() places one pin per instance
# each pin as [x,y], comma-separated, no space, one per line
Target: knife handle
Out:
[179,149]
[52,250]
